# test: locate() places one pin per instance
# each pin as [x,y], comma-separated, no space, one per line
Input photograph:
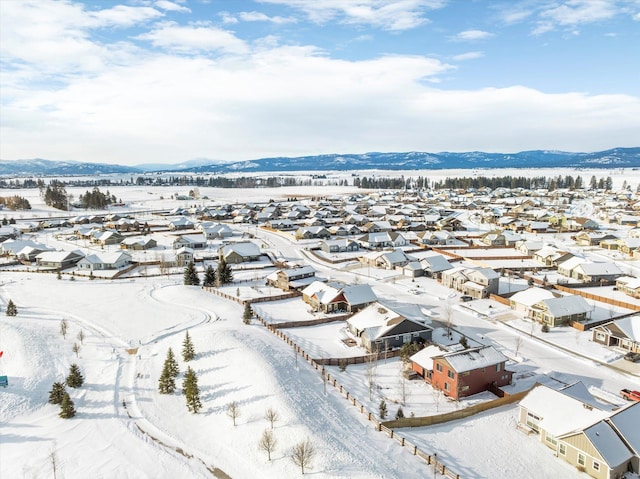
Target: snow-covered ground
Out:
[125,429]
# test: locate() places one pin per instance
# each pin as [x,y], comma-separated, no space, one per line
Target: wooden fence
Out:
[387,427]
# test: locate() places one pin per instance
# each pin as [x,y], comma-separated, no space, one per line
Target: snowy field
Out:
[125,429]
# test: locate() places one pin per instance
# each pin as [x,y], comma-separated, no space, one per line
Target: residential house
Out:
[292,278]
[387,259]
[475,282]
[310,232]
[523,301]
[105,261]
[593,238]
[197,241]
[592,272]
[433,266]
[181,223]
[588,434]
[560,311]
[184,256]
[138,243]
[58,259]
[629,285]
[471,371]
[217,231]
[379,328]
[240,252]
[622,333]
[337,297]
[386,239]
[339,245]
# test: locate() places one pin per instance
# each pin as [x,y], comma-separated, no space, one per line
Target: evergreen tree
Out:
[188,351]
[190,275]
[67,409]
[209,276]
[246,316]
[225,275]
[400,413]
[11,309]
[191,391]
[167,381]
[57,393]
[382,408]
[75,379]
[173,364]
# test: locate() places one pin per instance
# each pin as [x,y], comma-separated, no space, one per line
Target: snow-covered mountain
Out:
[413,160]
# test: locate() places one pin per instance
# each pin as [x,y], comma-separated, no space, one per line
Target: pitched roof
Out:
[476,358]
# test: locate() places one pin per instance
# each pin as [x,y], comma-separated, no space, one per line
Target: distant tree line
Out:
[96,199]
[15,202]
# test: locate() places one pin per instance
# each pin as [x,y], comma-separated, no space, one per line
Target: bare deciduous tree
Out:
[81,336]
[233,411]
[272,416]
[268,442]
[53,459]
[64,328]
[518,342]
[76,349]
[302,454]
[372,360]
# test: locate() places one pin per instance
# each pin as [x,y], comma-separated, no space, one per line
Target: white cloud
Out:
[201,37]
[171,6]
[385,14]
[473,35]
[288,101]
[636,17]
[261,17]
[468,56]
[228,18]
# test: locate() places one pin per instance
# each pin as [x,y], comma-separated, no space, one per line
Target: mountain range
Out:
[614,158]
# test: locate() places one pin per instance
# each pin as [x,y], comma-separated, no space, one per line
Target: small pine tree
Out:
[167,381]
[59,275]
[545,328]
[190,275]
[57,393]
[209,276]
[67,409]
[224,275]
[173,364]
[400,413]
[191,391]
[12,310]
[75,379]
[246,317]
[382,408]
[188,351]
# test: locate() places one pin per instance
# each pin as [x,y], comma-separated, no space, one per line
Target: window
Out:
[451,374]
[581,459]
[438,367]
[550,439]
[562,449]
[596,466]
[464,388]
[532,421]
[446,386]
[600,336]
[498,367]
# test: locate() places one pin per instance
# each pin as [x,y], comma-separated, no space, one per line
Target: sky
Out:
[159,81]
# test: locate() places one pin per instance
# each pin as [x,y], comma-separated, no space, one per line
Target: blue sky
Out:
[145,81]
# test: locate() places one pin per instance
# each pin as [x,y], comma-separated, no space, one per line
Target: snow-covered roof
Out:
[436,263]
[243,249]
[374,315]
[559,413]
[630,326]
[595,269]
[424,357]
[531,296]
[627,422]
[608,444]
[359,294]
[566,305]
[476,358]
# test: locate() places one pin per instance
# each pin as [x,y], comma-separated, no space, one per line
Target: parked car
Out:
[630,395]
[633,357]
[466,298]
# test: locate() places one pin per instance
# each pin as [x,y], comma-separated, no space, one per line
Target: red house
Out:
[465,373]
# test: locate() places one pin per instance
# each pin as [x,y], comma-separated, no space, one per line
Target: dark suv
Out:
[633,357]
